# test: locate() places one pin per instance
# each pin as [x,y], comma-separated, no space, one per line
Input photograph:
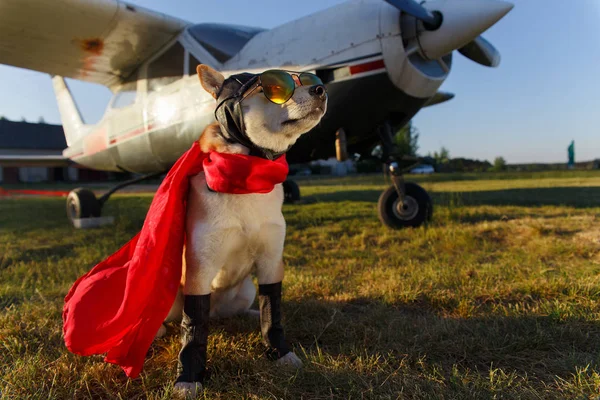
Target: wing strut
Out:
[69,113]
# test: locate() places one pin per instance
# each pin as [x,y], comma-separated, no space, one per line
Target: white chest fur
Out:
[229,234]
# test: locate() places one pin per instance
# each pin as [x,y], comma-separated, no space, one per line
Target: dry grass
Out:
[497,298]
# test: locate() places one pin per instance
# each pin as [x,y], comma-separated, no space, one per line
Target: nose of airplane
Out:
[463,21]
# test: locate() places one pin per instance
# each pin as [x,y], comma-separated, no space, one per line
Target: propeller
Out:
[438,98]
[478,50]
[431,20]
[481,51]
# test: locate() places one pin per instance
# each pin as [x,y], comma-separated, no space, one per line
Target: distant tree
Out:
[406,139]
[41,120]
[457,164]
[461,164]
[23,119]
[499,164]
[441,160]
[3,118]
[443,157]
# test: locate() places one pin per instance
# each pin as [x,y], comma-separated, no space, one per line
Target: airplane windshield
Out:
[223,41]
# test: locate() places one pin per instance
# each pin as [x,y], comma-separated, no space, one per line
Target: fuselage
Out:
[357,48]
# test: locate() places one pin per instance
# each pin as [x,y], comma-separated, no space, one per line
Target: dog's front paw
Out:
[188,389]
[290,359]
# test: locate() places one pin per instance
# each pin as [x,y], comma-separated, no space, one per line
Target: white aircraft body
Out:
[381,62]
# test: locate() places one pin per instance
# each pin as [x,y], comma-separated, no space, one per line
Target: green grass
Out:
[497,298]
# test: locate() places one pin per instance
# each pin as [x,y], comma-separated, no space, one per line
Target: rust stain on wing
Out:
[92,49]
[93,45]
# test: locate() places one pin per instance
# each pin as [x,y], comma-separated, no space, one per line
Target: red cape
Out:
[119,305]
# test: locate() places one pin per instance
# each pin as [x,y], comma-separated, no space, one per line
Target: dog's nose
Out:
[318,90]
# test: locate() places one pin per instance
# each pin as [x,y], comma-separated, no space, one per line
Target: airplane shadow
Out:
[540,346]
[418,338]
[578,197]
[37,254]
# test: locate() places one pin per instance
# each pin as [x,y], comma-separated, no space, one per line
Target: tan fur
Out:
[212,141]
[210,79]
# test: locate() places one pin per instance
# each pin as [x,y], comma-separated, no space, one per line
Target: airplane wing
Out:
[99,41]
[438,98]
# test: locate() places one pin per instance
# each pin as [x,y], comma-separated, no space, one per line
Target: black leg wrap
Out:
[194,339]
[269,299]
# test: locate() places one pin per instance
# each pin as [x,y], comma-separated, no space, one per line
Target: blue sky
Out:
[544,94]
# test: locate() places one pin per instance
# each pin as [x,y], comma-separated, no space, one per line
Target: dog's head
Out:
[270,126]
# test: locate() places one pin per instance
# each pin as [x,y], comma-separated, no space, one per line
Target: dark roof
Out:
[26,135]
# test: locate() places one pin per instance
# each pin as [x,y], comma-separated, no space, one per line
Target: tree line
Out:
[406,139]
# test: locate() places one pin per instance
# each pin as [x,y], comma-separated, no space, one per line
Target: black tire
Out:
[291,191]
[417,210]
[82,203]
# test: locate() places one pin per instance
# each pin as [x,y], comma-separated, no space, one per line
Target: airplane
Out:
[381,62]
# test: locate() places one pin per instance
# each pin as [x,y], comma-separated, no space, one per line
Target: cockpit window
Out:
[166,69]
[193,64]
[125,96]
[223,41]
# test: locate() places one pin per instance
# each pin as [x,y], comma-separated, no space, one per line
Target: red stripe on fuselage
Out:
[366,67]
[131,134]
[127,135]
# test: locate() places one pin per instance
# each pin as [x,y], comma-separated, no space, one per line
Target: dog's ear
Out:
[211,80]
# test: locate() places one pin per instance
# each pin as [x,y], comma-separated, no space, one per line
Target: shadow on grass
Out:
[29,214]
[37,254]
[370,335]
[540,346]
[376,178]
[578,197]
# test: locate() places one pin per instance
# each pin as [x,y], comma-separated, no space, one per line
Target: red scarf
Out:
[118,306]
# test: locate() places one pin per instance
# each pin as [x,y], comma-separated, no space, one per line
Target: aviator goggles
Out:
[278,85]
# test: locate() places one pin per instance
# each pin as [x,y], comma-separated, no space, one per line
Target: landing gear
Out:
[402,205]
[415,210]
[291,192]
[82,203]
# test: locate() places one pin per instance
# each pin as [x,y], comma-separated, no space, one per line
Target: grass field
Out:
[497,298]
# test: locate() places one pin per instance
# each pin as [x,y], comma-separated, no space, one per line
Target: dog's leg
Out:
[191,367]
[270,275]
[194,338]
[269,297]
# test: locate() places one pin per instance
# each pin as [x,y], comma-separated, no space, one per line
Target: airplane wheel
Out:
[82,203]
[416,210]
[291,191]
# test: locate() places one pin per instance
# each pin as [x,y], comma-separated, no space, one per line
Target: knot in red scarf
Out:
[119,305]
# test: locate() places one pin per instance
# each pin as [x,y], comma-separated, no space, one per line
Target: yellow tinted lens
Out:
[277,85]
[308,79]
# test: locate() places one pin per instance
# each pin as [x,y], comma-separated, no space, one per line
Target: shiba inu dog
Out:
[230,236]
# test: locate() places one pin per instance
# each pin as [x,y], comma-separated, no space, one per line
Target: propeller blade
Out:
[482,52]
[438,98]
[413,8]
